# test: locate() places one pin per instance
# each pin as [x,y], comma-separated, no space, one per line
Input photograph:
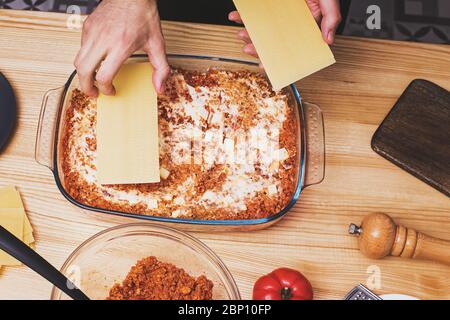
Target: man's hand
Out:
[111,34]
[326,12]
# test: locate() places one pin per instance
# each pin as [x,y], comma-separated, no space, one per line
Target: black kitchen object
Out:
[19,250]
[416,134]
[7,110]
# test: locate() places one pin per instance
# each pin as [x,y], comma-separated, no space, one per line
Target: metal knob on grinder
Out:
[379,236]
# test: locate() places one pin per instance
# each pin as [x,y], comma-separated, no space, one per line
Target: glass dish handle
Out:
[46,130]
[315,144]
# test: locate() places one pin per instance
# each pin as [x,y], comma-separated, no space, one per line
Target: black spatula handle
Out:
[19,250]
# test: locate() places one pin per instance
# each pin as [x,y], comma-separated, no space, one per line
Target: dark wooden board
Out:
[416,134]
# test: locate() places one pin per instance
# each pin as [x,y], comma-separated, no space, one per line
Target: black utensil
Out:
[7,111]
[19,250]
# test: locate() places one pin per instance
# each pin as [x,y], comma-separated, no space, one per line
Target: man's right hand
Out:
[111,34]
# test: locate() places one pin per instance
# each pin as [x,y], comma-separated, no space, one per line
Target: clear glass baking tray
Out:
[310,138]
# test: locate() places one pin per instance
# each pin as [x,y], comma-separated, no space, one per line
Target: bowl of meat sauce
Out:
[147,262]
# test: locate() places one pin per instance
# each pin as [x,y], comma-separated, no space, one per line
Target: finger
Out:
[251,50]
[244,36]
[160,75]
[85,34]
[156,52]
[331,18]
[86,63]
[108,70]
[235,17]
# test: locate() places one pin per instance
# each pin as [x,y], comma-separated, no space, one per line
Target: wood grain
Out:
[355,95]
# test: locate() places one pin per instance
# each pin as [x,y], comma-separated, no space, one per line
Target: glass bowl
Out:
[106,258]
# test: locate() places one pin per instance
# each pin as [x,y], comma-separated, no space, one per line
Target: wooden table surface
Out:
[36,54]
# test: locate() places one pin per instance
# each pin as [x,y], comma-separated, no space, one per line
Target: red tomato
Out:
[283,284]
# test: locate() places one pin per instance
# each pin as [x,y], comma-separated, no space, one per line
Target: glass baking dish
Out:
[310,137]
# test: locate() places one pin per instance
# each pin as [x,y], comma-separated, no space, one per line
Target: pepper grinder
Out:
[379,236]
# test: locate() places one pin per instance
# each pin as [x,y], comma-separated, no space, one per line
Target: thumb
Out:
[331,18]
[161,72]
[156,52]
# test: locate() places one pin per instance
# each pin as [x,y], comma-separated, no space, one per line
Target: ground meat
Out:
[151,279]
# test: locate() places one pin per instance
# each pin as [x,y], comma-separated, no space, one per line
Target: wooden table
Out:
[36,54]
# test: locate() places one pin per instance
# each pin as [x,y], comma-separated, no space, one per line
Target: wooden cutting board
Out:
[416,134]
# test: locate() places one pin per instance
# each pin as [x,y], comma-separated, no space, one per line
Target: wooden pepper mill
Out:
[379,236]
